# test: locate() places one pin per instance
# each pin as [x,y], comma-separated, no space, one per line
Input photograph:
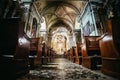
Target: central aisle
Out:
[63,69]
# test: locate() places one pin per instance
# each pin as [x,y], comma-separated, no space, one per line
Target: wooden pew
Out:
[48,54]
[110,56]
[68,54]
[44,53]
[34,45]
[14,48]
[75,53]
[71,55]
[79,53]
[91,53]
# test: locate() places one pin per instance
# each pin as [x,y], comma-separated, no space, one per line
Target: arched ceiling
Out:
[62,12]
[60,23]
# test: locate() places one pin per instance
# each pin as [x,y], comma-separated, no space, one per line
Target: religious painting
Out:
[88,29]
[92,28]
[34,27]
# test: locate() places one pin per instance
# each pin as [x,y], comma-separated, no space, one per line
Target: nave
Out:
[63,69]
[38,36]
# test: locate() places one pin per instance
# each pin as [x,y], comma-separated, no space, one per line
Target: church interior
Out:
[60,39]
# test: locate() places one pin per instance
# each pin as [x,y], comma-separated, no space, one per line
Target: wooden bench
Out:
[91,56]
[109,53]
[34,44]
[14,48]
[110,58]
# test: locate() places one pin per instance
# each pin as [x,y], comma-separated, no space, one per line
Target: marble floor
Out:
[63,69]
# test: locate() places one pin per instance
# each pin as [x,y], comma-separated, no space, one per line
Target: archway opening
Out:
[60,40]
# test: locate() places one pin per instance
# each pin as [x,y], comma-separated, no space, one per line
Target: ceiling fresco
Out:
[58,13]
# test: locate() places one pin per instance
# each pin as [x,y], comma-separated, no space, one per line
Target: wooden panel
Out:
[91,42]
[108,67]
[71,55]
[76,55]
[34,44]
[107,47]
[110,56]
[34,52]
[78,49]
[37,60]
[91,46]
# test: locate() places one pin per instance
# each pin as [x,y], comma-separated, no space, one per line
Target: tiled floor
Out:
[63,69]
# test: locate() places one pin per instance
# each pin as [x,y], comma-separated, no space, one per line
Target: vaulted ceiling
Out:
[60,12]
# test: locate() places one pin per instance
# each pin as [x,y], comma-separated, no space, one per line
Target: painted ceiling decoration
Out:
[60,23]
[57,13]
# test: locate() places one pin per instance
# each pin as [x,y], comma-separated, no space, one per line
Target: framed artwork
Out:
[34,27]
[88,29]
